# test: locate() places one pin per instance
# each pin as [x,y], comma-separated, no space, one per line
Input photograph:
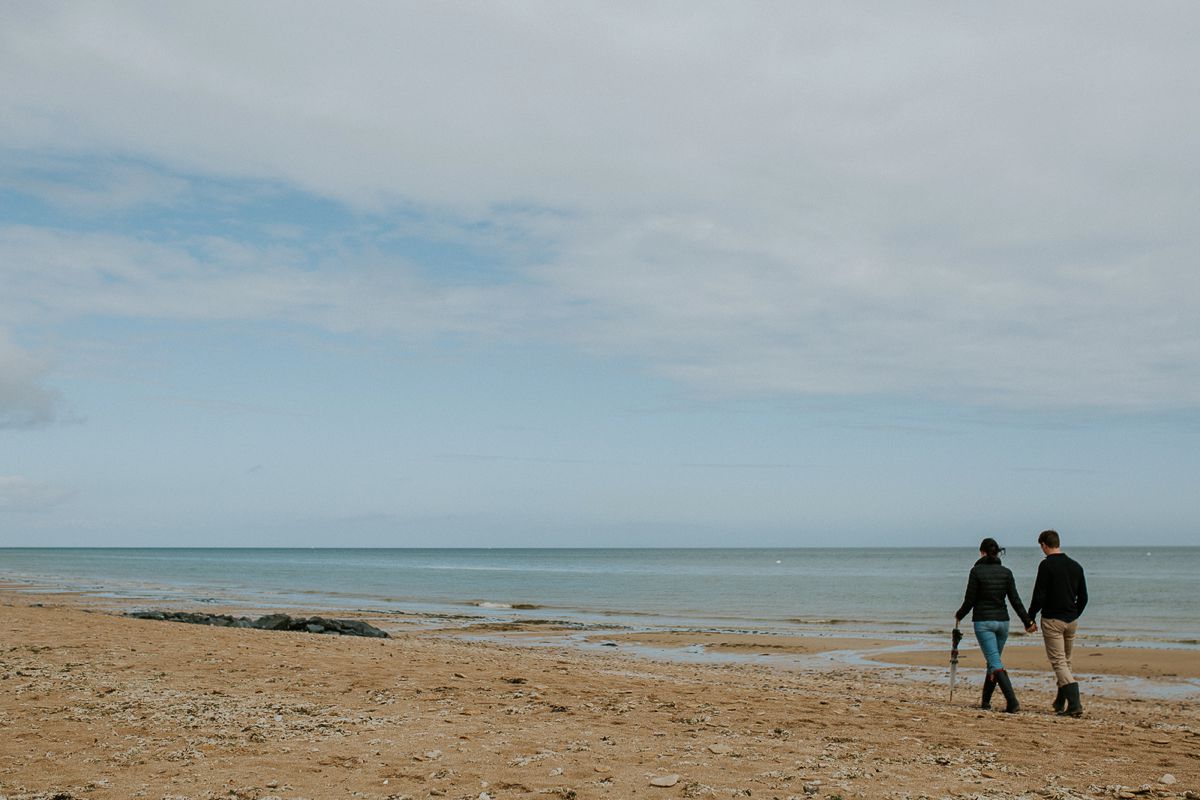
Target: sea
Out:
[1138,595]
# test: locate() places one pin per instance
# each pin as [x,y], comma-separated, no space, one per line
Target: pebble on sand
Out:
[664,780]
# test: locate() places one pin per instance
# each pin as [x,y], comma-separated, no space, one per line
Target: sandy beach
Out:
[97,705]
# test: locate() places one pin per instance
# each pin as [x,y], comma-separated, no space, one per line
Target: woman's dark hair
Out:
[990,548]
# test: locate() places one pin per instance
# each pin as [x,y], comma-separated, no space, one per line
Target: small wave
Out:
[504,606]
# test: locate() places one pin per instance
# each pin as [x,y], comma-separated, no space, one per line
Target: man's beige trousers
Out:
[1059,638]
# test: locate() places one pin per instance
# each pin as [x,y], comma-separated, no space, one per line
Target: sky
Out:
[598,274]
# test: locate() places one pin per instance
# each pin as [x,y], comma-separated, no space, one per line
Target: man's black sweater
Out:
[1060,592]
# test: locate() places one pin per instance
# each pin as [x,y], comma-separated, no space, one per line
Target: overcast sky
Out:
[589,274]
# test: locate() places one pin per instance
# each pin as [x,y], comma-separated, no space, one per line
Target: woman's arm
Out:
[1015,600]
[969,597]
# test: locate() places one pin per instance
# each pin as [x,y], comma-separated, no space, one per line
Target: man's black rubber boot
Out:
[1060,700]
[1074,707]
[989,686]
[1006,687]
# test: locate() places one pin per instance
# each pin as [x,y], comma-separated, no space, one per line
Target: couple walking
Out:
[1059,593]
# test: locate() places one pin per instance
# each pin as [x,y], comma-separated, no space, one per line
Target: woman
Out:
[988,586]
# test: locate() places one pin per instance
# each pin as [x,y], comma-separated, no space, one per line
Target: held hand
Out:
[1031,627]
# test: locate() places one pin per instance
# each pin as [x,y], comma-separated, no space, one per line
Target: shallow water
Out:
[1138,595]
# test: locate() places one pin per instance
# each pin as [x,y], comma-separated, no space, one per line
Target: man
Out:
[1060,594]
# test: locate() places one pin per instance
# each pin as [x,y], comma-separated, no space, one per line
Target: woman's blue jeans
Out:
[991,635]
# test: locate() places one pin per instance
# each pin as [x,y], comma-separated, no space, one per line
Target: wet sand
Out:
[94,705]
[1023,652]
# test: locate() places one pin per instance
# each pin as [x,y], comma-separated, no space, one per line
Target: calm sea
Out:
[1138,594]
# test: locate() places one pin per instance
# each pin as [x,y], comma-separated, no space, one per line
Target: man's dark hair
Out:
[1050,539]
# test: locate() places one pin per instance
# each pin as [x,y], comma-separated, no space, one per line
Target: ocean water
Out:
[1138,595]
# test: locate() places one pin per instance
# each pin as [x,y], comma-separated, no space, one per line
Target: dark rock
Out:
[270,622]
[356,627]
[273,622]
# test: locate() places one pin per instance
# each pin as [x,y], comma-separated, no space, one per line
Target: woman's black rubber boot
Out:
[989,686]
[1006,687]
[1060,700]
[1074,707]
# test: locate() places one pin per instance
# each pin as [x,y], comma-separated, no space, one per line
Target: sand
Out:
[1023,652]
[95,705]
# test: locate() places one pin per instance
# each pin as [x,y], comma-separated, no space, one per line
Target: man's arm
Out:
[1081,597]
[1038,598]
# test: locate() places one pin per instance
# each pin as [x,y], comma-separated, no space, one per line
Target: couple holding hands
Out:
[1059,593]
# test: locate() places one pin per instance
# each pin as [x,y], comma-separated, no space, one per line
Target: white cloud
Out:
[21,494]
[52,275]
[24,400]
[91,188]
[976,202]
[746,315]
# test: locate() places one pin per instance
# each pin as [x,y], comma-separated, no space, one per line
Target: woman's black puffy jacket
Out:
[988,586]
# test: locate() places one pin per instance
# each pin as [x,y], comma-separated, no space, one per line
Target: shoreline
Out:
[1120,669]
[787,590]
[484,612]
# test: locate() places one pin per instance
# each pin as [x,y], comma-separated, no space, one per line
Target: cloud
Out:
[744,314]
[91,187]
[54,275]
[977,204]
[24,400]
[603,108]
[21,494]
